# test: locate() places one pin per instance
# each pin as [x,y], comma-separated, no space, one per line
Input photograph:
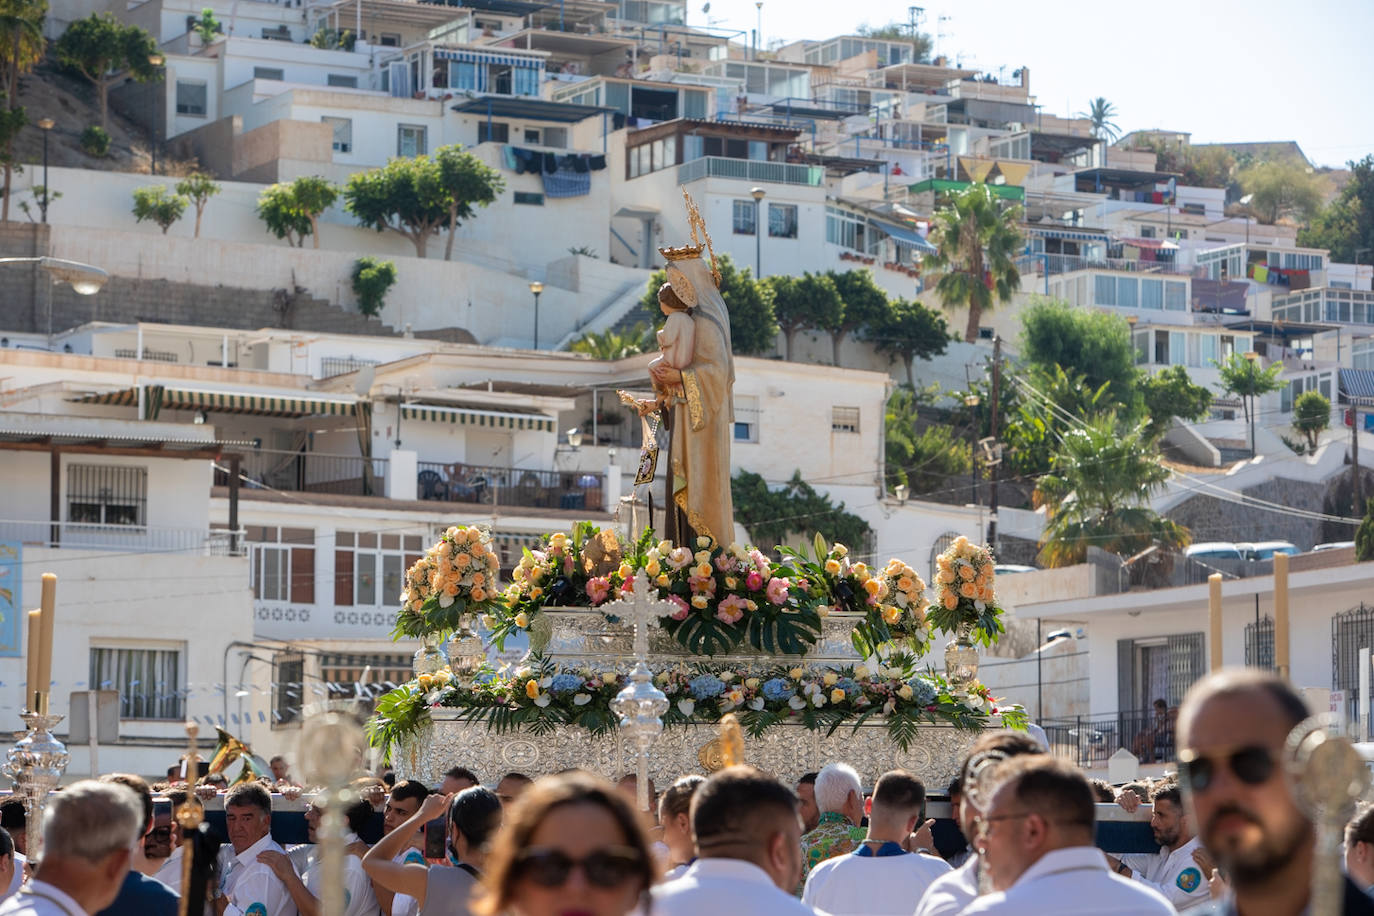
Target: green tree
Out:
[865,305]
[1281,188]
[1347,223]
[1171,393]
[1097,494]
[405,196]
[198,188]
[901,31]
[1094,344]
[21,48]
[468,183]
[12,121]
[612,344]
[924,461]
[977,240]
[278,209]
[1364,535]
[1100,112]
[753,329]
[1311,415]
[107,52]
[771,515]
[808,301]
[313,196]
[1048,402]
[909,331]
[158,204]
[207,26]
[372,277]
[1247,380]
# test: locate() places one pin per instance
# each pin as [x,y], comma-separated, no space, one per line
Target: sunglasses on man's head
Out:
[609,867]
[1252,765]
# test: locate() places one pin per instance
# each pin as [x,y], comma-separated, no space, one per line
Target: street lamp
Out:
[47,125]
[536,287]
[85,279]
[156,60]
[971,401]
[758,195]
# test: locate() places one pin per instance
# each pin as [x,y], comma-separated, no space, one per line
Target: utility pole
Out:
[1358,502]
[996,469]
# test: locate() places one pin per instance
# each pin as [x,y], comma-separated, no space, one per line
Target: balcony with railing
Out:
[309,472]
[535,489]
[1040,264]
[752,170]
[124,538]
[1089,741]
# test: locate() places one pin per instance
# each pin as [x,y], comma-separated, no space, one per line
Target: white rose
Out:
[756,703]
[797,703]
[581,699]
[542,700]
[819,699]
[524,672]
[546,682]
[686,707]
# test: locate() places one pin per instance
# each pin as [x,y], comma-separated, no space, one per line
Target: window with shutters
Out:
[283,567]
[148,680]
[369,568]
[288,688]
[844,419]
[363,678]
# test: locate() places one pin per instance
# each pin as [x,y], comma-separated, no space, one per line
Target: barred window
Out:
[102,494]
[288,689]
[148,681]
[844,419]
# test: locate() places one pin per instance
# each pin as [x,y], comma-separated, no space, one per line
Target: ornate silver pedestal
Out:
[36,764]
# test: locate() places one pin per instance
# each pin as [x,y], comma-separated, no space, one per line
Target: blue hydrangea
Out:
[777,689]
[566,683]
[705,686]
[850,687]
[924,690]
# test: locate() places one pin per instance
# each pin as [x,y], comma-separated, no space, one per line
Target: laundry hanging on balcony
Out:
[536,162]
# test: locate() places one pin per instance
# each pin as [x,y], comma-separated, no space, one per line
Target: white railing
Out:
[124,538]
[750,170]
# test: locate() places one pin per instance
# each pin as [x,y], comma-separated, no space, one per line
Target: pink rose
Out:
[683,608]
[759,560]
[724,562]
[777,590]
[598,589]
[731,609]
[754,581]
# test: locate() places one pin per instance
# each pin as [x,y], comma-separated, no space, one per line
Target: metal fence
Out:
[750,170]
[1351,631]
[1090,740]
[470,483]
[1039,264]
[124,538]
[311,472]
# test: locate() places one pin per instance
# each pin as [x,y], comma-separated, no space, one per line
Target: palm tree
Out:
[977,240]
[613,345]
[1097,491]
[1100,112]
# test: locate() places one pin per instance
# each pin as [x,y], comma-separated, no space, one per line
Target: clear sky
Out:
[1224,70]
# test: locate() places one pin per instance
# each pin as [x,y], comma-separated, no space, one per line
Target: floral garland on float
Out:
[722,597]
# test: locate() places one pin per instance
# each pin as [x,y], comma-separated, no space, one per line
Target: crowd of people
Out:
[1231,839]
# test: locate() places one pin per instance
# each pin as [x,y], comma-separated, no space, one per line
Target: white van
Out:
[1214,550]
[1265,550]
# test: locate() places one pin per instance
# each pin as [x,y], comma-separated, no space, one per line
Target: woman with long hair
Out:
[570,846]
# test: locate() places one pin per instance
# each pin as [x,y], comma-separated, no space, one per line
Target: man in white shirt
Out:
[1036,842]
[880,878]
[950,893]
[247,886]
[88,835]
[401,805]
[359,899]
[1171,871]
[748,836]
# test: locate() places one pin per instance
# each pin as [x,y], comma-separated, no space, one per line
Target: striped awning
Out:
[262,405]
[484,57]
[1066,234]
[125,397]
[1357,385]
[468,416]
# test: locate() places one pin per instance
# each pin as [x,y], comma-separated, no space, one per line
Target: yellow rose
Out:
[703,571]
[702,556]
[532,689]
[861,571]
[905,583]
[731,583]
[830,678]
[609,677]
[752,683]
[966,573]
[536,593]
[837,695]
[522,620]
[652,568]
[840,550]
[661,580]
[795,674]
[625,571]
[943,561]
[479,593]
[426,681]
[951,601]
[862,672]
[699,602]
[891,613]
[905,692]
[873,586]
[968,590]
[832,567]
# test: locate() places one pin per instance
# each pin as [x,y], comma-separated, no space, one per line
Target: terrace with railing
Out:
[535,489]
[751,170]
[1089,741]
[124,538]
[309,472]
[1040,264]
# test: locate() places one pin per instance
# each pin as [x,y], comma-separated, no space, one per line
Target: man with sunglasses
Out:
[1171,871]
[1232,726]
[1036,840]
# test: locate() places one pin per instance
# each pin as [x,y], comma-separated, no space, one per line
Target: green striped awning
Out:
[126,397]
[468,416]
[262,405]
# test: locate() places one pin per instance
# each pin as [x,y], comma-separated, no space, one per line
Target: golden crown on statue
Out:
[701,239]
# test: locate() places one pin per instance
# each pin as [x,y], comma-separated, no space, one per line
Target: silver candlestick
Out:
[641,705]
[1328,777]
[36,764]
[331,746]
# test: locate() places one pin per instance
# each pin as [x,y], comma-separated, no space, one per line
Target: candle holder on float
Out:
[36,764]
[641,705]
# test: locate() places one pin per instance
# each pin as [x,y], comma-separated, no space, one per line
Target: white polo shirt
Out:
[1173,874]
[950,893]
[725,887]
[1072,882]
[855,885]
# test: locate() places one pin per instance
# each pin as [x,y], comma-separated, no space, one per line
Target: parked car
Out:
[1007,569]
[1333,545]
[1214,550]
[1265,550]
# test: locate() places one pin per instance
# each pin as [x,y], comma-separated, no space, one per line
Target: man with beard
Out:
[1232,728]
[1171,871]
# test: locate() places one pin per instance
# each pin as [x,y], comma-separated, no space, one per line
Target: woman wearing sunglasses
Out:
[571,846]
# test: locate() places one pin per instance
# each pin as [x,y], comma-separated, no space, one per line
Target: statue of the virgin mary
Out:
[698,399]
